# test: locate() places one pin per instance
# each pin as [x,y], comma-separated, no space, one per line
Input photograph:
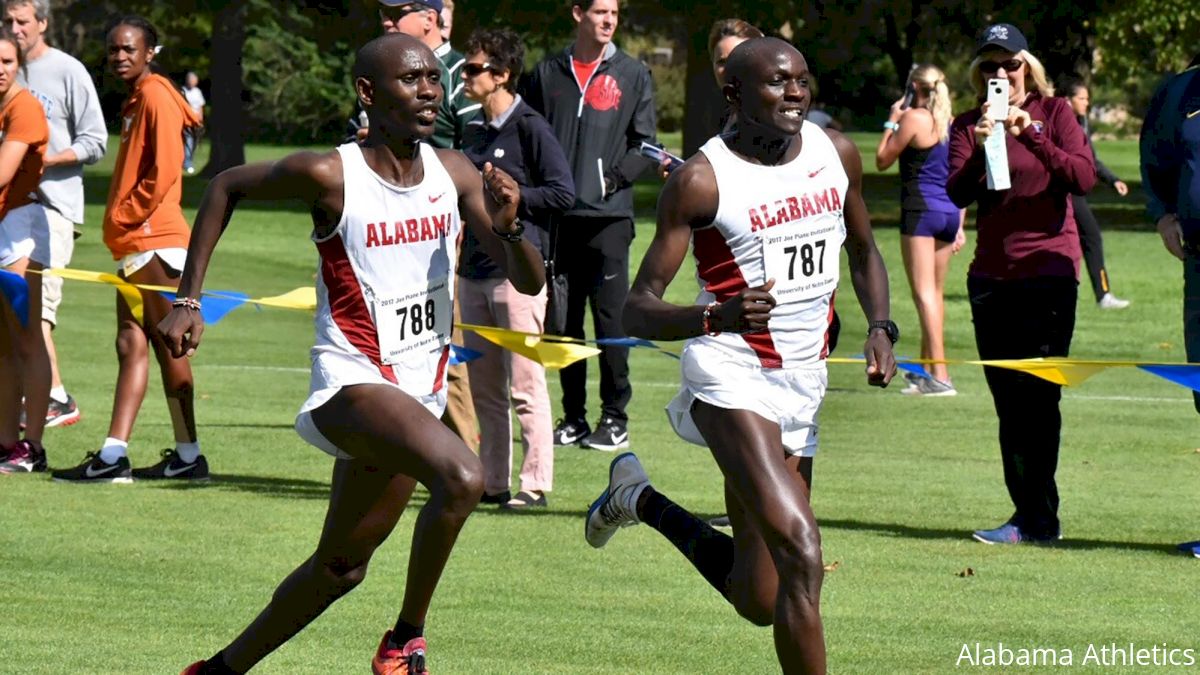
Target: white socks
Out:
[113,450]
[188,452]
[59,394]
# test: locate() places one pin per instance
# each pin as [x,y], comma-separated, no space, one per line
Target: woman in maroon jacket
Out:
[1023,279]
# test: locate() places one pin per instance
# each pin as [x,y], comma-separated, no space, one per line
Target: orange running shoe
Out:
[193,669]
[407,661]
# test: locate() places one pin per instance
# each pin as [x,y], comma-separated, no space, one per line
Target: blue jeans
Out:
[189,146]
[1191,310]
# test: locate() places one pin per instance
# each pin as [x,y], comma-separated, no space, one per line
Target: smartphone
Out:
[659,154]
[909,94]
[997,99]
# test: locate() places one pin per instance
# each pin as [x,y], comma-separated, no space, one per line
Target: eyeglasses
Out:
[1009,66]
[477,69]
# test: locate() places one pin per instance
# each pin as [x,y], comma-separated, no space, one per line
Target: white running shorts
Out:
[173,258]
[789,397]
[25,233]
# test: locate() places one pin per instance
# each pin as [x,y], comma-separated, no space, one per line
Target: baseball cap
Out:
[435,5]
[1003,35]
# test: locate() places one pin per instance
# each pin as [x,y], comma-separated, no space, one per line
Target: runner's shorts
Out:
[25,233]
[790,397]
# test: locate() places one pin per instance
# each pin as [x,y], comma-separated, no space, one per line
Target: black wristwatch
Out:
[513,237]
[889,328]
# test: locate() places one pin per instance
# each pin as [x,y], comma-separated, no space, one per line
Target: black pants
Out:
[1093,245]
[594,253]
[1017,320]
[1191,309]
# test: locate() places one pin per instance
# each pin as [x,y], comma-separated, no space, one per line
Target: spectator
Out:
[191,138]
[423,21]
[146,233]
[516,139]
[600,102]
[917,132]
[1092,242]
[447,19]
[24,250]
[1170,150]
[78,136]
[1022,282]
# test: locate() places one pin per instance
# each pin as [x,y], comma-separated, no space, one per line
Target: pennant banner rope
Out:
[557,352]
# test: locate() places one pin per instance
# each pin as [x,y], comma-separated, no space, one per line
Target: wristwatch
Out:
[889,328]
[511,237]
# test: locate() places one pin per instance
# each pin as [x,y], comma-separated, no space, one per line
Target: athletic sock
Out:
[403,632]
[59,394]
[113,450]
[709,551]
[188,452]
[217,666]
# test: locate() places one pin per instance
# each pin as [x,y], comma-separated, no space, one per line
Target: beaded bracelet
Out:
[190,303]
[706,319]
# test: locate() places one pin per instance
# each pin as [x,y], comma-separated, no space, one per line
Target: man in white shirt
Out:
[191,137]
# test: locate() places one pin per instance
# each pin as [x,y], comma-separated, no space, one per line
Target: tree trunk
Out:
[703,103]
[228,119]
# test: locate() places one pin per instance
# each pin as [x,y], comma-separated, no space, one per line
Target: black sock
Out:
[217,666]
[403,632]
[709,551]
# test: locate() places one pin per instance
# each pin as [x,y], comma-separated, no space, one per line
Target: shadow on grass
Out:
[915,532]
[262,485]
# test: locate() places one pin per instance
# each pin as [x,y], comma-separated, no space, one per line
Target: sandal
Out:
[524,500]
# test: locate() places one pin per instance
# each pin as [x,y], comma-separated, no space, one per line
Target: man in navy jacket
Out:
[1170,154]
[600,103]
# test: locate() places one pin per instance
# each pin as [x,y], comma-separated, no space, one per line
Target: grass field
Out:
[146,579]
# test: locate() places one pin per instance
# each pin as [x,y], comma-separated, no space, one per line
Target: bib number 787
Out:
[810,263]
[794,256]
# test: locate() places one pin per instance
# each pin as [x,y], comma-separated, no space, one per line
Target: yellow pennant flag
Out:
[131,294]
[304,297]
[1057,370]
[551,352]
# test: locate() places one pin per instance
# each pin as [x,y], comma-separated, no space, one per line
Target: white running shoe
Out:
[616,507]
[1110,301]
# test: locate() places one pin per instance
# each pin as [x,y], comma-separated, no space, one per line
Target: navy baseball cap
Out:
[435,5]
[1004,36]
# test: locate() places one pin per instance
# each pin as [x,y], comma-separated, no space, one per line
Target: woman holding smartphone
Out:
[1023,280]
[917,133]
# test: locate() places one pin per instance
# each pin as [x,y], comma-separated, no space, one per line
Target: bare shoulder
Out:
[323,168]
[692,188]
[461,170]
[847,151]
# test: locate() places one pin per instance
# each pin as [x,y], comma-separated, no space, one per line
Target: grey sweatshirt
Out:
[65,90]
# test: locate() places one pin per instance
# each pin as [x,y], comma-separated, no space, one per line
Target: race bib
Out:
[415,322]
[803,260]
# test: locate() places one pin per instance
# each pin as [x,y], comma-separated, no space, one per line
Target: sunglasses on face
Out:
[395,14]
[1009,66]
[477,69]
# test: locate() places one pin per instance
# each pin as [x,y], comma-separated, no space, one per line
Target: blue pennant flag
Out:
[625,342]
[16,291]
[462,355]
[914,368]
[215,305]
[1184,374]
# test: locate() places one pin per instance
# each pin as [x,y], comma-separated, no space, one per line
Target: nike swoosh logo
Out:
[433,199]
[609,277]
[91,473]
[1193,114]
[171,473]
[813,174]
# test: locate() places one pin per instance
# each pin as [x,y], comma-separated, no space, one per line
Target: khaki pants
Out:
[460,409]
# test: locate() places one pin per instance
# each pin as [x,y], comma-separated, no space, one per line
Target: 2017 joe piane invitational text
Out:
[1111,654]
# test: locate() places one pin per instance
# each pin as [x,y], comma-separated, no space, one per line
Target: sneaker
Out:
[720,521]
[173,468]
[1110,301]
[609,436]
[1009,533]
[95,470]
[616,507]
[25,457]
[62,414]
[570,432]
[1192,547]
[407,661]
[194,669]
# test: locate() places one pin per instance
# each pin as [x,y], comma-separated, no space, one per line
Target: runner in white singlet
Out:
[766,208]
[386,222]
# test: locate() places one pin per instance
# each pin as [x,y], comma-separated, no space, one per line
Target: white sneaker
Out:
[616,507]
[1110,301]
[929,386]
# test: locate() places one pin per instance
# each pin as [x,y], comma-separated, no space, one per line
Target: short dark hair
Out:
[504,50]
[1069,85]
[149,32]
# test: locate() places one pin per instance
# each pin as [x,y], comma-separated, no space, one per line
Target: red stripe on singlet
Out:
[723,278]
[347,304]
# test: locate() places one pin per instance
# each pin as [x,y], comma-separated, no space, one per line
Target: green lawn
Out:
[146,579]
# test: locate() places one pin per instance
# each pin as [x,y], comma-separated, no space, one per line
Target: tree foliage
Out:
[1143,40]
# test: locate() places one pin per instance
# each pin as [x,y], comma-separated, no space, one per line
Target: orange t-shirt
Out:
[143,211]
[23,119]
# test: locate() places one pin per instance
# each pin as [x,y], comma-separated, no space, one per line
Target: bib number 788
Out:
[812,258]
[417,318]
